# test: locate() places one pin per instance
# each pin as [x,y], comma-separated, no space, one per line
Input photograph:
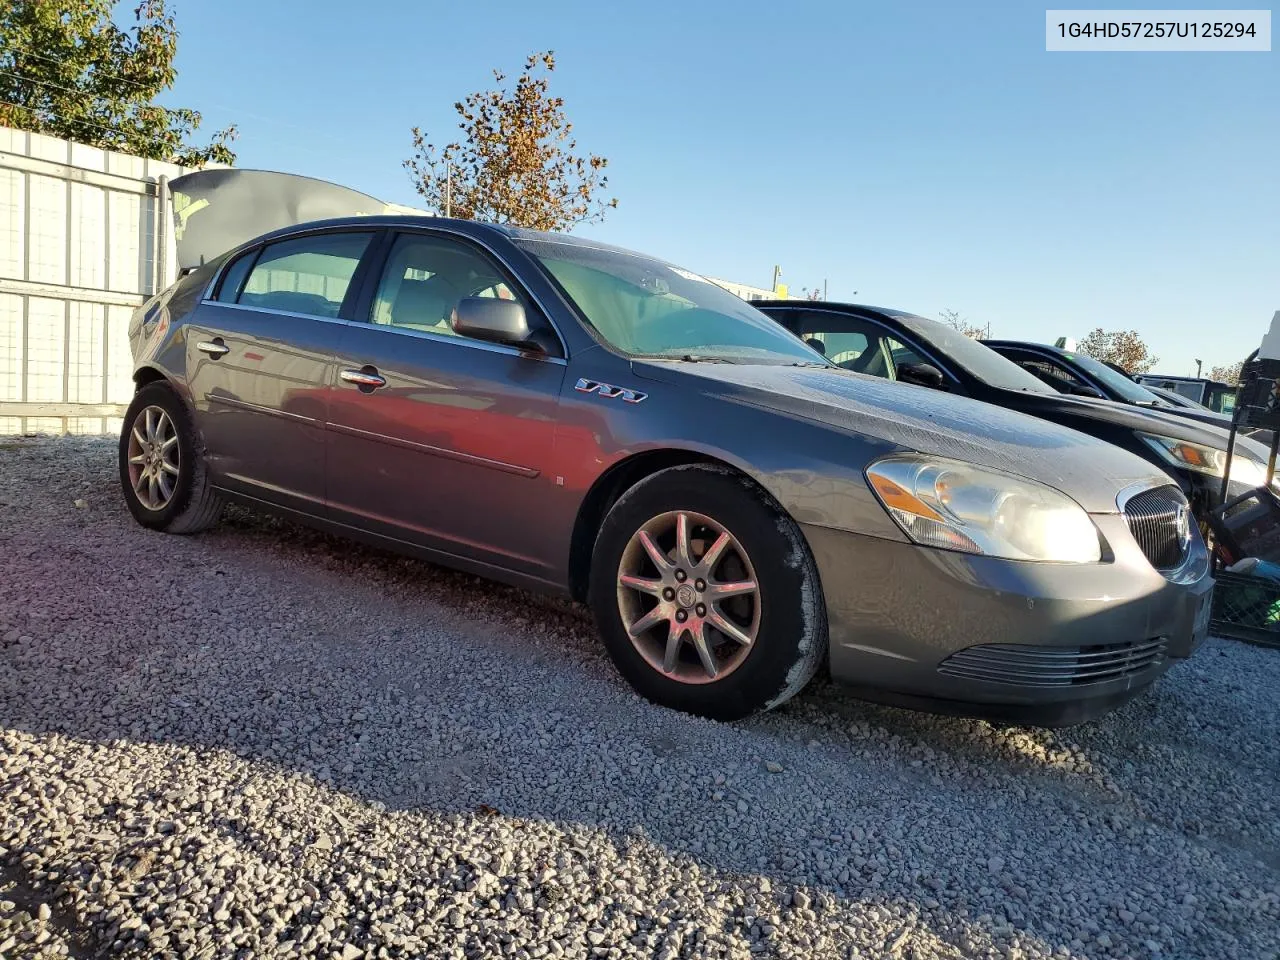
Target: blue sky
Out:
[918,155]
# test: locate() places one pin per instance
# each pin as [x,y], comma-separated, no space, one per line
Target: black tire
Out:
[194,505]
[791,639]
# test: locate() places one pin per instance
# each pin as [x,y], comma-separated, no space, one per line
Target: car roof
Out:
[474,228]
[890,313]
[1047,347]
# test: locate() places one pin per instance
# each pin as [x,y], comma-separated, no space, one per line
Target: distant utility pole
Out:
[824,288]
[777,273]
[1198,365]
[448,189]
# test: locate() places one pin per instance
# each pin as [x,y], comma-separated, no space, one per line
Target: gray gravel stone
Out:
[263,742]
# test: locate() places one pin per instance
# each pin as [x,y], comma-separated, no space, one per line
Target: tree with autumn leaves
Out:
[516,161]
[961,325]
[1227,373]
[67,70]
[1125,348]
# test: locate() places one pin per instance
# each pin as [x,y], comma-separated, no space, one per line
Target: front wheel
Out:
[162,472]
[706,595]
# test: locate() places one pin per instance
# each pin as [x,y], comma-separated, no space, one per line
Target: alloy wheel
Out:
[688,597]
[154,458]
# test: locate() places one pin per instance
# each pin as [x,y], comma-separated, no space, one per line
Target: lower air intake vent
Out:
[1053,666]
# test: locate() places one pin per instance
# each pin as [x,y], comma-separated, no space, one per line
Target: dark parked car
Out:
[900,346]
[1070,372]
[1203,392]
[736,510]
[1174,398]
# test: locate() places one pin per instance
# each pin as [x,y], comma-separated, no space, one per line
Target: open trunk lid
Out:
[217,209]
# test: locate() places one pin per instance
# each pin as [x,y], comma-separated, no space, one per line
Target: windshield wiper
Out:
[809,363]
[684,358]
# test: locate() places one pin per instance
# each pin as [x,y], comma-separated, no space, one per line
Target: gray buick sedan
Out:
[737,511]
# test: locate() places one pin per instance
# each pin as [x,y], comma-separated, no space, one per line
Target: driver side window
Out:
[424,279]
[848,342]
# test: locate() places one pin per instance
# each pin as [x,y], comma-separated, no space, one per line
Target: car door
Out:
[436,438]
[260,357]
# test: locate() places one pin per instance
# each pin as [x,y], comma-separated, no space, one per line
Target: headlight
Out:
[955,506]
[1207,460]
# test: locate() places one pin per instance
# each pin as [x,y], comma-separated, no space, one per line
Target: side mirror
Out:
[1084,390]
[497,321]
[921,374]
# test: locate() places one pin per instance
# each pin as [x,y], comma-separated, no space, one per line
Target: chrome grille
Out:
[1029,666]
[1160,521]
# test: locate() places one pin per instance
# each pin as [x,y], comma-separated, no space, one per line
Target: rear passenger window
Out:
[309,275]
[233,279]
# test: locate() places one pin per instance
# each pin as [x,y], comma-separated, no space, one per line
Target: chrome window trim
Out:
[207,296]
[281,313]
[395,228]
[404,331]
[458,339]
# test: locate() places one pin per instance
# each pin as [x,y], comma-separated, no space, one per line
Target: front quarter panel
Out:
[814,472]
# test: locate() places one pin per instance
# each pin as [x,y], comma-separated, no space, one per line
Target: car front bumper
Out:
[1040,643]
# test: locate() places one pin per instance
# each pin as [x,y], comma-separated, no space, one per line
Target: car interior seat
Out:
[425,304]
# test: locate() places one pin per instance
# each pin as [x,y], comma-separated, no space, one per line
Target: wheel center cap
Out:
[686,596]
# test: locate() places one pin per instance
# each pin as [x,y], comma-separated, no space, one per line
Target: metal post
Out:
[448,189]
[162,237]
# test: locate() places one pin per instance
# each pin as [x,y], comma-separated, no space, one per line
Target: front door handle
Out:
[214,348]
[366,378]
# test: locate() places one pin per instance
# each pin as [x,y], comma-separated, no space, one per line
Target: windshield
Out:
[647,308]
[1175,398]
[1116,382]
[977,359]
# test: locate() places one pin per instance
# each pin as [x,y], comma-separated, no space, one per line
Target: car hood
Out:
[1161,422]
[916,418]
[1211,417]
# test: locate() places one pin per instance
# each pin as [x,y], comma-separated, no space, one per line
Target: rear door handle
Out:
[214,348]
[366,378]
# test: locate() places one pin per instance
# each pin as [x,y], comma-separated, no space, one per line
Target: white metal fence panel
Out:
[84,239]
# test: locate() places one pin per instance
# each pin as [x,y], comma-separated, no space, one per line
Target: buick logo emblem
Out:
[1182,526]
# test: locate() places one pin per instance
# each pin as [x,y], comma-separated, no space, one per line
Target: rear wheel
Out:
[706,595]
[162,472]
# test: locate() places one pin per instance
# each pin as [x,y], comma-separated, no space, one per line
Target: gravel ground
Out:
[264,742]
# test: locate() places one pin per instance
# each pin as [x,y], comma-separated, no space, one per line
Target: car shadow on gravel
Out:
[408,687]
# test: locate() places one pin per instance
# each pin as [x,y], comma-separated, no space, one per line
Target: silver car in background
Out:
[738,512]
